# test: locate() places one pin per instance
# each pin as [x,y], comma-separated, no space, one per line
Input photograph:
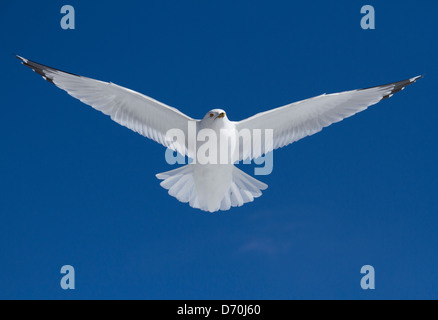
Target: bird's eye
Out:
[211,115]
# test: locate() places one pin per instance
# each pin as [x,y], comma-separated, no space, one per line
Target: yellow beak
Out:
[221,115]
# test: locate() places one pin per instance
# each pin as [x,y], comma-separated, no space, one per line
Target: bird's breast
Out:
[216,145]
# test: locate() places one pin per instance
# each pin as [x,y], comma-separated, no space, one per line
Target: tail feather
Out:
[243,189]
[181,184]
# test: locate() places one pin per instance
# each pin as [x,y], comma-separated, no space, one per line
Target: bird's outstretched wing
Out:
[295,121]
[131,109]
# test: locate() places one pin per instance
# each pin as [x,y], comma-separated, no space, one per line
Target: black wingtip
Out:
[20,58]
[36,67]
[45,71]
[399,86]
[395,86]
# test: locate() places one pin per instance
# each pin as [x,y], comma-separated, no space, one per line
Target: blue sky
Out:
[78,189]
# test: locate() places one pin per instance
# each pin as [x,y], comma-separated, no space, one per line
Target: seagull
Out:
[214,186]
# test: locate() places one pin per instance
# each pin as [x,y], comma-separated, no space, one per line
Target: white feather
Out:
[214,187]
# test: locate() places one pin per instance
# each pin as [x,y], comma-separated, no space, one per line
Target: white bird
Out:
[213,187]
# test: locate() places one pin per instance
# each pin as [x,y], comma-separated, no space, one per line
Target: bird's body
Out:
[212,182]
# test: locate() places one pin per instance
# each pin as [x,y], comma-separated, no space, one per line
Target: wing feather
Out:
[129,108]
[297,120]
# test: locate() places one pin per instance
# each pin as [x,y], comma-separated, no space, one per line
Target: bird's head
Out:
[216,115]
